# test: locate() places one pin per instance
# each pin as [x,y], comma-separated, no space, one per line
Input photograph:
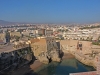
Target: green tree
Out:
[17,38]
[40,34]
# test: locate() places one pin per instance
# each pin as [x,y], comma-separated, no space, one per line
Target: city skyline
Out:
[50,11]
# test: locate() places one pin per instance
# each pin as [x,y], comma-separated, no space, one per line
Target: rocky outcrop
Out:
[15,59]
[44,60]
[83,59]
[45,49]
[54,54]
[45,56]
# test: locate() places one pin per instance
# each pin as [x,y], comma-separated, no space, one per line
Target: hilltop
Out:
[3,22]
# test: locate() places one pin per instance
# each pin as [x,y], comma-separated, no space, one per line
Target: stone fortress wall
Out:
[10,60]
[19,53]
[87,53]
[45,49]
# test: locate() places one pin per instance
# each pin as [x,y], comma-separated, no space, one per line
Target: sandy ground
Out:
[25,70]
[36,65]
[68,56]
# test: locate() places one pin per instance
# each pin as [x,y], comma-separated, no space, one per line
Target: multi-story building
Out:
[41,32]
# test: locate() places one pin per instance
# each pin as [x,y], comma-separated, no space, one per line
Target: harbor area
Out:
[37,68]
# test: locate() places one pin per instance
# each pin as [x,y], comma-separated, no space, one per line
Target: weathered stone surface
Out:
[45,49]
[43,59]
[54,55]
[15,59]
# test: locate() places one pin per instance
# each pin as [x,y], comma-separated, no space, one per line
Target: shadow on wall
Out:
[61,53]
[58,44]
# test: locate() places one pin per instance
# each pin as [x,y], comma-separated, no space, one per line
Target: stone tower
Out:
[7,36]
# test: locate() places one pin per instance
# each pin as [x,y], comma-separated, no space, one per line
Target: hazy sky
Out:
[50,11]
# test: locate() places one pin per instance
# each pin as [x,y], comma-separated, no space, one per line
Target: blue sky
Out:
[50,11]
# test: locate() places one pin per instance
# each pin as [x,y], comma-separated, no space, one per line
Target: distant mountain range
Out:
[3,23]
[7,23]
